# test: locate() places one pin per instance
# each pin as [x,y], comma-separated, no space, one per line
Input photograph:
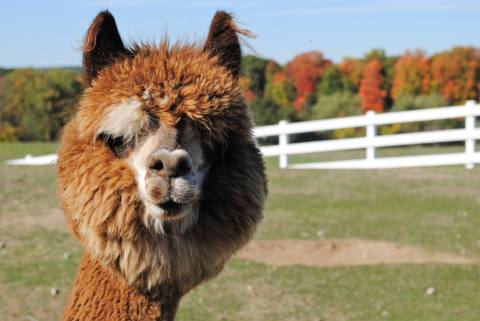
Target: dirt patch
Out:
[51,220]
[345,252]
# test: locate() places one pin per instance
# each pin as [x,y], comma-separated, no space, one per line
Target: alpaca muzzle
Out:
[170,164]
[170,181]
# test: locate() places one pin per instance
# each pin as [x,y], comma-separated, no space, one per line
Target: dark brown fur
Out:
[129,270]
[102,46]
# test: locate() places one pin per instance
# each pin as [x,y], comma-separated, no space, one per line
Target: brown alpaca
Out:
[158,174]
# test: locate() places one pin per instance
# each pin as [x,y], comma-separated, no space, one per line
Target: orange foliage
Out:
[279,77]
[411,75]
[455,74]
[354,69]
[244,83]
[371,90]
[304,71]
[249,96]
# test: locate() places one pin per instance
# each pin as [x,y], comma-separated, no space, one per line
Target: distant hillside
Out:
[76,69]
[4,71]
[72,68]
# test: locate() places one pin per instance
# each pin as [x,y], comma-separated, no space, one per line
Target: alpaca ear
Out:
[223,42]
[102,45]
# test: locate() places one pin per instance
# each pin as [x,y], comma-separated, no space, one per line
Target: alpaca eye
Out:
[116,144]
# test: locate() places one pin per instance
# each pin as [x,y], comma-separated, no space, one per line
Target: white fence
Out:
[371,141]
[34,160]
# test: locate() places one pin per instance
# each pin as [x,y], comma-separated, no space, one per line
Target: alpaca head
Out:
[149,105]
[158,168]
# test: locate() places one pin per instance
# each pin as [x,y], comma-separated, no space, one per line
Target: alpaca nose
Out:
[175,163]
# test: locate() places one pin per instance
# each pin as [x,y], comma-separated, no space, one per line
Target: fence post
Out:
[283,143]
[370,134]
[470,142]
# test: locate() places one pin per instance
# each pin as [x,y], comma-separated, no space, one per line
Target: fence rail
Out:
[371,141]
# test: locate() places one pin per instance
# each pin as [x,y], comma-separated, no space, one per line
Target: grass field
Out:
[432,208]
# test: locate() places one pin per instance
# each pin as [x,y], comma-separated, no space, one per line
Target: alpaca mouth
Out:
[171,210]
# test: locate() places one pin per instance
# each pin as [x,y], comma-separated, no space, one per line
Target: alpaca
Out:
[159,176]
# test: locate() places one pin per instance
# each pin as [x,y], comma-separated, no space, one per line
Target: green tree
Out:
[333,81]
[4,71]
[266,112]
[406,102]
[340,104]
[253,68]
[411,102]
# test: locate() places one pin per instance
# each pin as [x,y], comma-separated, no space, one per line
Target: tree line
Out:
[34,103]
[313,87]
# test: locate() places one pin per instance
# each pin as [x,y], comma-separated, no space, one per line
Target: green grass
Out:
[247,291]
[19,150]
[360,154]
[434,208]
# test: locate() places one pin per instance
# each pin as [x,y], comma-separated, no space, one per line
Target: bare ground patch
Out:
[343,252]
[49,219]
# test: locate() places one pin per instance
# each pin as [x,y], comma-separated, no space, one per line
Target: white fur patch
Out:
[162,100]
[139,166]
[124,119]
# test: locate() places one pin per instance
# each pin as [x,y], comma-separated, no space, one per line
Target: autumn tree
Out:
[455,74]
[371,92]
[7,131]
[388,70]
[36,102]
[244,83]
[267,91]
[304,71]
[277,87]
[411,75]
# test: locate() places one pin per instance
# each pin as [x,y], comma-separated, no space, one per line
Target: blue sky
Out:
[49,33]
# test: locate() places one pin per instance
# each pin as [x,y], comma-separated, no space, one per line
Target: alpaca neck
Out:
[101,294]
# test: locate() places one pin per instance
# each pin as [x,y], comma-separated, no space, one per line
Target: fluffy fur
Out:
[179,86]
